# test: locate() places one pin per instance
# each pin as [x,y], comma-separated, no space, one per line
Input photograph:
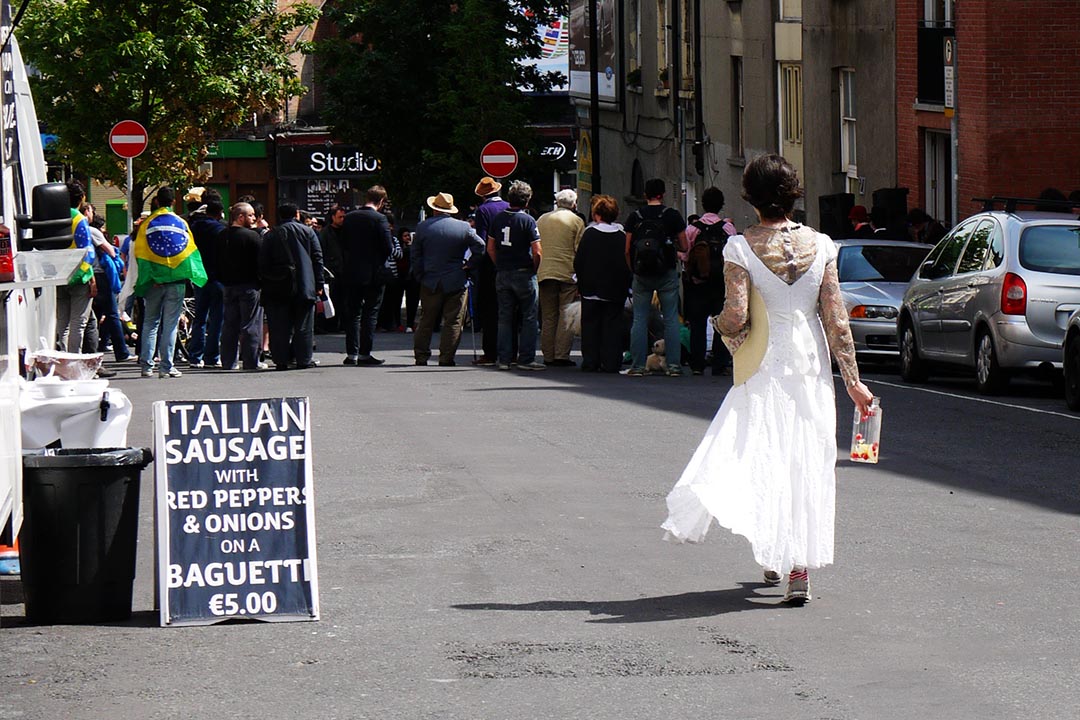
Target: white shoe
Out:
[173,373]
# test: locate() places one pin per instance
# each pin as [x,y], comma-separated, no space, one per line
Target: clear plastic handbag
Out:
[866,434]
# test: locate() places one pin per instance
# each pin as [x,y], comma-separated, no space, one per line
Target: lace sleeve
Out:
[732,322]
[835,319]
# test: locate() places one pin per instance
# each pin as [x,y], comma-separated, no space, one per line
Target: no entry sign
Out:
[498,158]
[128,139]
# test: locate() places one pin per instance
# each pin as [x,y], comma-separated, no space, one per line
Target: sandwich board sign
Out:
[234,511]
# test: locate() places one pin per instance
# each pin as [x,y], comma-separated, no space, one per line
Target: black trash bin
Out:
[80,523]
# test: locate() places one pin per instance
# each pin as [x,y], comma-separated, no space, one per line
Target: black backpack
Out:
[705,261]
[650,243]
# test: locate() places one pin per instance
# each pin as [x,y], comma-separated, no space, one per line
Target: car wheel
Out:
[912,367]
[1072,373]
[990,378]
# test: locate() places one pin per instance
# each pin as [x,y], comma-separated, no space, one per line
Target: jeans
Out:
[203,345]
[72,309]
[667,287]
[164,303]
[112,328]
[242,326]
[700,302]
[517,289]
[361,314]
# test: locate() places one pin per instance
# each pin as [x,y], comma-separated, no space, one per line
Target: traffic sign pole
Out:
[130,193]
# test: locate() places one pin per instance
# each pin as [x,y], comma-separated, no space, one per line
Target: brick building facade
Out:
[1017,100]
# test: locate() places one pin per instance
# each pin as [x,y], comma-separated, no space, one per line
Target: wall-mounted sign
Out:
[949,54]
[553,151]
[607,63]
[306,161]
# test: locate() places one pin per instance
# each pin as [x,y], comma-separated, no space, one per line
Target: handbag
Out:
[747,356]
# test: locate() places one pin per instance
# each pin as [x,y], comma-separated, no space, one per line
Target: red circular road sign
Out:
[498,158]
[128,139]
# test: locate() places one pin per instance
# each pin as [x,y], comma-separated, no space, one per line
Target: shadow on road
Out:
[652,609]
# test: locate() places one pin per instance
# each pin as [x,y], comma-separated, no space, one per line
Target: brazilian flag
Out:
[80,228]
[165,252]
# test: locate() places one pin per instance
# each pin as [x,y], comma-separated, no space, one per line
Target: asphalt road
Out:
[489,547]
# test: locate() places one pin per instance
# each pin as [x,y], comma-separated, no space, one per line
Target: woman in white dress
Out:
[766,467]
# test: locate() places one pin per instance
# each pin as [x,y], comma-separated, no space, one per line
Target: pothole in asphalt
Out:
[573,659]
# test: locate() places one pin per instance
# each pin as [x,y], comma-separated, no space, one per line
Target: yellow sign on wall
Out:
[584,155]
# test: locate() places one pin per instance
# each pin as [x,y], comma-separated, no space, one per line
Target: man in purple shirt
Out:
[487,300]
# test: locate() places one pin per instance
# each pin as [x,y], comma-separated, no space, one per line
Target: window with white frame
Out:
[938,12]
[791,91]
[686,11]
[848,157]
[791,9]
[737,108]
[634,36]
[663,67]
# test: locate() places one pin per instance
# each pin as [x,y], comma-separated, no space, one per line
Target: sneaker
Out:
[420,363]
[369,360]
[673,371]
[798,587]
[772,577]
[697,372]
[172,373]
[532,366]
[131,357]
[147,373]
[483,360]
[257,368]
[503,366]
[637,372]
[349,360]
[408,330]
[196,364]
[104,372]
[215,364]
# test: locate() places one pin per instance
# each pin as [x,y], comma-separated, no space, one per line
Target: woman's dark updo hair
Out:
[771,184]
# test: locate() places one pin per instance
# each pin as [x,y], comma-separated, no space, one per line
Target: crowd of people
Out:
[639,295]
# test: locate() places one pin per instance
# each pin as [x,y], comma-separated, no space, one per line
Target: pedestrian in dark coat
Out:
[291,276]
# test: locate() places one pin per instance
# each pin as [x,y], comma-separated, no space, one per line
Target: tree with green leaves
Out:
[190,71]
[425,84]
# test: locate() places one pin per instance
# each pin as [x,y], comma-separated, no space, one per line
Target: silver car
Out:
[994,295]
[873,277]
[1071,362]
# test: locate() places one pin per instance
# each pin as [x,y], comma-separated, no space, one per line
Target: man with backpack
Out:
[654,236]
[703,281]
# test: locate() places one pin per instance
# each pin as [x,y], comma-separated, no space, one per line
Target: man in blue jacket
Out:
[438,261]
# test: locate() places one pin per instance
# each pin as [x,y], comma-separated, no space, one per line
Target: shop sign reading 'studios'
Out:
[307,161]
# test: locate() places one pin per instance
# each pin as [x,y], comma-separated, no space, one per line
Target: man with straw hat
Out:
[437,257]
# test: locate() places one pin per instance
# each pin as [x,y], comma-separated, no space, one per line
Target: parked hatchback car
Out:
[1070,362]
[994,295]
[873,277]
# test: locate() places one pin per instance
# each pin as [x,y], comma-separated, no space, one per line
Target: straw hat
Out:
[443,202]
[487,186]
[194,194]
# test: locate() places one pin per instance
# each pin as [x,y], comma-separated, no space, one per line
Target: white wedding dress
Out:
[766,468]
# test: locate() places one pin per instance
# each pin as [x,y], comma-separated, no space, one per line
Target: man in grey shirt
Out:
[438,260]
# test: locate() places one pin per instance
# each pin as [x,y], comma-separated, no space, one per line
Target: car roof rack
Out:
[1011,203]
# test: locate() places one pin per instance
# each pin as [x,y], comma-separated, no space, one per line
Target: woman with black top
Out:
[603,280]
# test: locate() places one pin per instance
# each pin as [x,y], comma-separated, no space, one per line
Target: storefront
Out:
[243,167]
[315,172]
